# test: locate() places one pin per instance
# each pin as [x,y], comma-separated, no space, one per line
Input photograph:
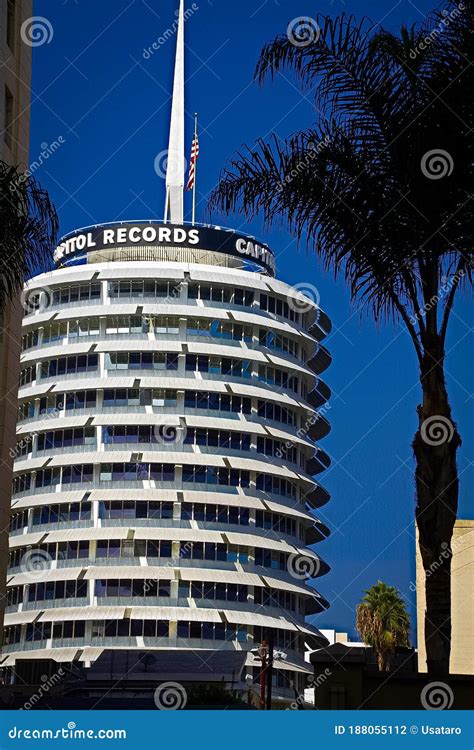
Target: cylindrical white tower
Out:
[164,470]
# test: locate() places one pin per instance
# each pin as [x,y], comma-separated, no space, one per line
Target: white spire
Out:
[176,167]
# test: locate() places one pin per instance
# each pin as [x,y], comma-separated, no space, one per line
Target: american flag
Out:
[192,163]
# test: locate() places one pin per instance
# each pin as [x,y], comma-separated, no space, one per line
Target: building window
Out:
[82,293]
[9,119]
[11,23]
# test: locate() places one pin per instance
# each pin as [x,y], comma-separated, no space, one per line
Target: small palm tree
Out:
[28,230]
[383,622]
[380,188]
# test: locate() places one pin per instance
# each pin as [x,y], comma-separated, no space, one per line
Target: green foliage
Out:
[28,230]
[353,185]
[383,622]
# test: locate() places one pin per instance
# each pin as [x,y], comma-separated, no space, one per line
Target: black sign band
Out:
[155,234]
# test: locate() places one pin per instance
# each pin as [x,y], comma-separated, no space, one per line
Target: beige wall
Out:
[462,589]
[15,72]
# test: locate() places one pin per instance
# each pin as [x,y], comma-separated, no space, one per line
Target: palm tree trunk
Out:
[435,446]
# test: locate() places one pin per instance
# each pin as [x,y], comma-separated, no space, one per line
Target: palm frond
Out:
[364,201]
[28,230]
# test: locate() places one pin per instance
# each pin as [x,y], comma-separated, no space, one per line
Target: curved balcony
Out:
[319,361]
[321,327]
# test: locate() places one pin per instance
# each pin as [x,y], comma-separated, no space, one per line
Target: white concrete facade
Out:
[165,468]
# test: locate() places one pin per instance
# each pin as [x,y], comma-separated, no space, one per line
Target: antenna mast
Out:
[174,212]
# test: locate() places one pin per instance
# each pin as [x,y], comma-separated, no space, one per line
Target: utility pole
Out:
[263,674]
[269,672]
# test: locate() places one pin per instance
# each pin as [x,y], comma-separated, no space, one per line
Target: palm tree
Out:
[383,622]
[28,230]
[379,189]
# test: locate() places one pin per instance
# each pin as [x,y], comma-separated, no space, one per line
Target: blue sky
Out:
[97,93]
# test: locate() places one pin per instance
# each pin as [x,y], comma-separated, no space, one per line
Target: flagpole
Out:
[195,170]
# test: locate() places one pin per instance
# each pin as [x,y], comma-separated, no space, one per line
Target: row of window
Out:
[279,307]
[201,363]
[69,365]
[143,588]
[276,598]
[127,289]
[219,329]
[152,548]
[274,376]
[272,340]
[227,592]
[161,434]
[157,397]
[125,629]
[208,631]
[112,398]
[279,449]
[43,631]
[264,519]
[51,551]
[116,324]
[76,293]
[128,588]
[228,295]
[215,365]
[153,509]
[66,438]
[141,361]
[282,639]
[39,592]
[210,513]
[138,472]
[108,509]
[160,325]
